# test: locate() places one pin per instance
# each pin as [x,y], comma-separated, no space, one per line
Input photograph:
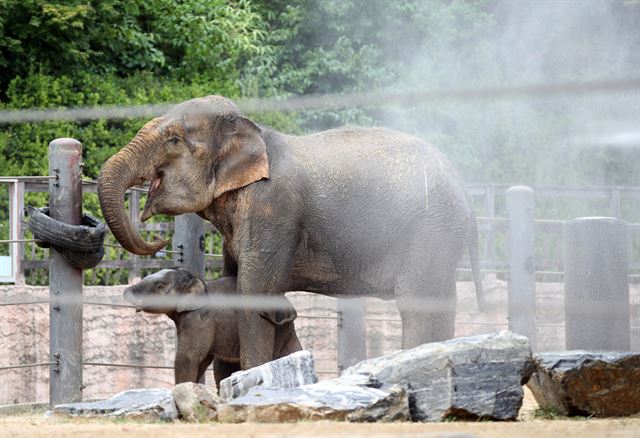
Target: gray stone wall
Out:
[119,335]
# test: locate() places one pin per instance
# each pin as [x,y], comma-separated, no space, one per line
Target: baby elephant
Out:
[206,333]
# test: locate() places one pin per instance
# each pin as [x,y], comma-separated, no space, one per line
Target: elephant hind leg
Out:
[430,319]
[425,294]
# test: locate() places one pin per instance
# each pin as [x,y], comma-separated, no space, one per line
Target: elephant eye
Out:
[173,140]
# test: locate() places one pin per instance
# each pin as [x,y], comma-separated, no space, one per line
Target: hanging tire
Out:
[80,245]
[82,260]
[86,237]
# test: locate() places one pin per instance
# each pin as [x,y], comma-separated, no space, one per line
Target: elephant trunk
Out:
[132,165]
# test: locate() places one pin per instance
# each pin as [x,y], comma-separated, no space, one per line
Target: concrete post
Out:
[352,332]
[596,284]
[65,281]
[188,238]
[520,206]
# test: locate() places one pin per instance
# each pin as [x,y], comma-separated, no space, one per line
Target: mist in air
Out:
[574,140]
[579,141]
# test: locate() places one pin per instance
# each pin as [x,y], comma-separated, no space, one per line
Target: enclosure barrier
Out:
[65,188]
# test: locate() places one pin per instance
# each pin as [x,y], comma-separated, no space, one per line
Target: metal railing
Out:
[28,261]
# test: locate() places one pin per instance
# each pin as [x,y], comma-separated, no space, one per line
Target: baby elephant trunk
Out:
[131,295]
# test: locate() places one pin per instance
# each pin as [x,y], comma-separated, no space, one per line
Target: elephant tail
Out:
[474,257]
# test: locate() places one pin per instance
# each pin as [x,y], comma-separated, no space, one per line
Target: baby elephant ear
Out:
[192,297]
[243,154]
[281,316]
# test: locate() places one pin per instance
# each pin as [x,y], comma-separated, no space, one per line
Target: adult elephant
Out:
[350,211]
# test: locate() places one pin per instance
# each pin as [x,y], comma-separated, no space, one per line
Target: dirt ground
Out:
[36,425]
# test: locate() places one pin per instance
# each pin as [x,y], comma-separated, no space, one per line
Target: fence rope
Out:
[20,303]
[27,178]
[27,365]
[126,365]
[21,241]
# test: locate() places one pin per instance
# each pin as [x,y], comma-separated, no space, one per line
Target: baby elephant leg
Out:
[186,369]
[191,361]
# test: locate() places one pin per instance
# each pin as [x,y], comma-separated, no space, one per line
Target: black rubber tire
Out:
[83,260]
[87,237]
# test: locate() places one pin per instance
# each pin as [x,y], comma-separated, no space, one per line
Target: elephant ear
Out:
[192,292]
[286,314]
[243,154]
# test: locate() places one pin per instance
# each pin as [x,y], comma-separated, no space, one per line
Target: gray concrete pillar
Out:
[65,281]
[520,206]
[352,332]
[188,238]
[596,284]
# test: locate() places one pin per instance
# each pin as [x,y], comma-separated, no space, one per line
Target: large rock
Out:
[587,383]
[146,404]
[355,398]
[196,402]
[287,372]
[476,377]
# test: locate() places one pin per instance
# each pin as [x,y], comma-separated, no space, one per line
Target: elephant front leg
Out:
[262,275]
[256,338]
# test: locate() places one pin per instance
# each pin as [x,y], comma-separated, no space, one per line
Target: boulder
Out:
[357,398]
[146,404]
[290,371]
[587,383]
[475,377]
[196,402]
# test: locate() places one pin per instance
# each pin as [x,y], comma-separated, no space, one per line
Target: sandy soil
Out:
[36,425]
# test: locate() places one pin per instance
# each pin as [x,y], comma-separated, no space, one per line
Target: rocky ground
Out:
[531,423]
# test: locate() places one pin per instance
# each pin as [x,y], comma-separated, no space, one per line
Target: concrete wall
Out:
[119,335]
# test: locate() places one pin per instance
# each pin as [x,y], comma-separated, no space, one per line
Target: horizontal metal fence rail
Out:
[489,223]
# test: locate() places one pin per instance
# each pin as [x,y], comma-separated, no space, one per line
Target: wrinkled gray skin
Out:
[350,211]
[205,333]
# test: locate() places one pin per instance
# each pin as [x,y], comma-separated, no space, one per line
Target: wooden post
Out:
[352,332]
[520,205]
[65,281]
[596,284]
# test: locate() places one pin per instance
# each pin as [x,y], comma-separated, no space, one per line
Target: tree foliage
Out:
[90,52]
[207,40]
